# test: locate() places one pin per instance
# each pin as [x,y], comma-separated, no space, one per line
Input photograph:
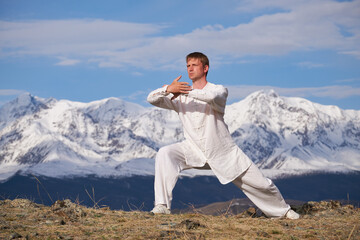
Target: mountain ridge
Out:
[280,134]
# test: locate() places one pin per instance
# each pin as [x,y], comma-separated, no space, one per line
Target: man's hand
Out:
[178,88]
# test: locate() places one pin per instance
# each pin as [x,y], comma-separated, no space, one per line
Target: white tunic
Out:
[207,138]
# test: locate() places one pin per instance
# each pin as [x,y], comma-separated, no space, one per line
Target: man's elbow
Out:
[153,100]
[149,99]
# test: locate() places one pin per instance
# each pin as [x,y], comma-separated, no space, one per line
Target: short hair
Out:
[198,55]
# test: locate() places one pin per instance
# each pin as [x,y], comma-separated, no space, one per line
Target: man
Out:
[207,143]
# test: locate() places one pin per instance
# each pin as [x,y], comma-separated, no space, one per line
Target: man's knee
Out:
[165,155]
[164,152]
[267,185]
[264,184]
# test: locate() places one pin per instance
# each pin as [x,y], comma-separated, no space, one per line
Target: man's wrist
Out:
[165,88]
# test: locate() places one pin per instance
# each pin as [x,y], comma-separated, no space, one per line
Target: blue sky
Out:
[89,50]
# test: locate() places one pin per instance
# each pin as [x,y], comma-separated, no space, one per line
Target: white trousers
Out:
[170,161]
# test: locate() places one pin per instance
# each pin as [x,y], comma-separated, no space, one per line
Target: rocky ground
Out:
[23,219]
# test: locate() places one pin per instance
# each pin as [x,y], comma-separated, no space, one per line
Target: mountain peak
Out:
[24,104]
[264,93]
[24,99]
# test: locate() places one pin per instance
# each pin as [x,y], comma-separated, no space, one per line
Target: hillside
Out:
[23,219]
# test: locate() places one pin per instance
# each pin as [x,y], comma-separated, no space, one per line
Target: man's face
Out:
[195,69]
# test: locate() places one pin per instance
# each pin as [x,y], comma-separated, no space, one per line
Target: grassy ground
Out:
[23,219]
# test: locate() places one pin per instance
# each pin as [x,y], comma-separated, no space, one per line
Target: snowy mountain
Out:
[294,135]
[112,137]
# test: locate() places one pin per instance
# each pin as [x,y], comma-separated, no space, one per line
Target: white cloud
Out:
[67,62]
[355,53]
[349,80]
[10,92]
[72,37]
[310,65]
[137,74]
[135,95]
[335,91]
[304,25]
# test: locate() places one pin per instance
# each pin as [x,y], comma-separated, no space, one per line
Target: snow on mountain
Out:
[112,137]
[295,135]
[61,138]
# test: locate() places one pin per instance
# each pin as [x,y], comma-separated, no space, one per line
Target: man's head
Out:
[202,57]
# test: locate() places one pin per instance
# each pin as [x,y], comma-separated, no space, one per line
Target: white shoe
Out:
[160,209]
[292,215]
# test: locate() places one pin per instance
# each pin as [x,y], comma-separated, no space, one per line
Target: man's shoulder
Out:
[216,86]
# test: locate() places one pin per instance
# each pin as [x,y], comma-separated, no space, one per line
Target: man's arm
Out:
[160,98]
[216,97]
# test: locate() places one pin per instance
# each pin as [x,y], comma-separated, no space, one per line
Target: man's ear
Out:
[206,68]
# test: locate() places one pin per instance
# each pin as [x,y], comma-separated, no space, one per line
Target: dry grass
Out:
[24,219]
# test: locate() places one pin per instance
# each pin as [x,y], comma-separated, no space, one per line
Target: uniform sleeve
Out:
[215,96]
[160,98]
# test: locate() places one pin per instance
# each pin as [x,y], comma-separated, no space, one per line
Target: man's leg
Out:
[169,162]
[262,192]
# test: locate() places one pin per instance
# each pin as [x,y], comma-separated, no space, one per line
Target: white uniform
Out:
[208,141]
